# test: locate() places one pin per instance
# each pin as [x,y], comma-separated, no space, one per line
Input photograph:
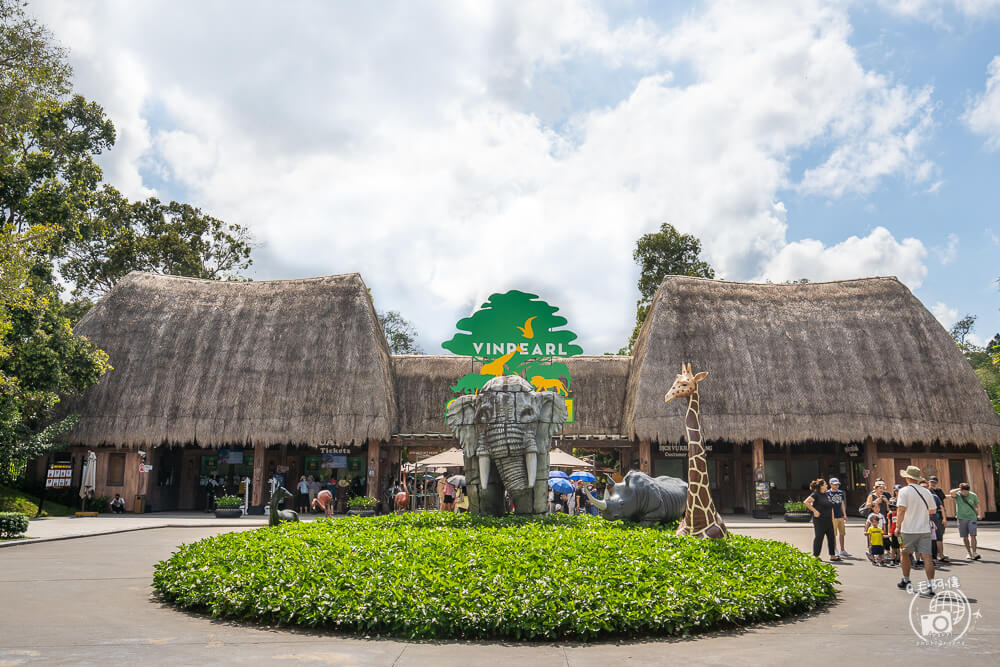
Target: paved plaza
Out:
[88,600]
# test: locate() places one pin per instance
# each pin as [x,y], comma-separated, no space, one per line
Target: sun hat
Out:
[834,480]
[879,483]
[912,472]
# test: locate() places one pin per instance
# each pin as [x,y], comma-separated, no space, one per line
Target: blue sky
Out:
[447,150]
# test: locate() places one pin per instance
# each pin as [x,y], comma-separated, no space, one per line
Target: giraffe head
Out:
[685,384]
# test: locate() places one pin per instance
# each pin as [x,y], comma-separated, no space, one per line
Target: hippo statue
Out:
[643,499]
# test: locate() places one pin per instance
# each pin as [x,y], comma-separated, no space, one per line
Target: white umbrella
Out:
[88,480]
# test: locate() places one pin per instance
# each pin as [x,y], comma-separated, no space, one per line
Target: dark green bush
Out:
[13,524]
[99,504]
[228,502]
[426,575]
[795,506]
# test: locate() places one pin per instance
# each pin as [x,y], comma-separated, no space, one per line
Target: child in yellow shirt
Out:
[875,533]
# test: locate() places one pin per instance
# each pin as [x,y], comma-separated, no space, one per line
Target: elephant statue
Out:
[643,499]
[506,432]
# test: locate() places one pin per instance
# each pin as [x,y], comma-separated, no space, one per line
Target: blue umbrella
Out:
[557,474]
[561,485]
[583,476]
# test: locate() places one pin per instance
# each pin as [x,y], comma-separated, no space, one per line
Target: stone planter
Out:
[370,512]
[228,513]
[798,517]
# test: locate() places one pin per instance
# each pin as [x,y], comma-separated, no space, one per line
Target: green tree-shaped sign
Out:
[515,333]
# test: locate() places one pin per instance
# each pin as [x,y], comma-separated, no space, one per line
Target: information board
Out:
[60,475]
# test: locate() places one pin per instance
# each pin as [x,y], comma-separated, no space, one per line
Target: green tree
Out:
[49,140]
[176,239]
[504,319]
[660,254]
[41,360]
[399,332]
[960,330]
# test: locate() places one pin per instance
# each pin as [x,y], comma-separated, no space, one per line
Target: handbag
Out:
[864,510]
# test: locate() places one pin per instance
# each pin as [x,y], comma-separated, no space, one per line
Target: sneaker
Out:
[969,557]
[903,583]
[918,563]
[928,592]
[844,554]
[976,557]
[944,559]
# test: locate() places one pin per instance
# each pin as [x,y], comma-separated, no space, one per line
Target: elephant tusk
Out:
[599,504]
[531,464]
[484,470]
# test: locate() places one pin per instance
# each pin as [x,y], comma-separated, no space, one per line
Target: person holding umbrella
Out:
[448,497]
[582,480]
[562,488]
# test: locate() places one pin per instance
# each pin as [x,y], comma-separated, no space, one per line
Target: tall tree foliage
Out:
[660,254]
[399,332]
[58,220]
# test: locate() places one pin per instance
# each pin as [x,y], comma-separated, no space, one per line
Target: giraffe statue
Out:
[700,517]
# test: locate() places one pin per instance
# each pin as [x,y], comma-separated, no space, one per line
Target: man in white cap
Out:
[839,514]
[913,527]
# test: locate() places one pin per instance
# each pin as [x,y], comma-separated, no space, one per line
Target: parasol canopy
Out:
[88,480]
[560,459]
[561,485]
[452,458]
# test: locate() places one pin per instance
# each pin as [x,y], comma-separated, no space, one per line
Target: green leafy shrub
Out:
[228,502]
[13,524]
[430,574]
[795,506]
[361,503]
[99,504]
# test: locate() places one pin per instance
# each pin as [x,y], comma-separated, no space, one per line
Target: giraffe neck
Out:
[699,513]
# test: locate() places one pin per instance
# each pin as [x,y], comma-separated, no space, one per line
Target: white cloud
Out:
[947,254]
[983,114]
[945,314]
[450,150]
[876,254]
[932,11]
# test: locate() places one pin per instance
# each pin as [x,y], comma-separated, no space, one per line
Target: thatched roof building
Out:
[837,361]
[422,385]
[423,381]
[224,363]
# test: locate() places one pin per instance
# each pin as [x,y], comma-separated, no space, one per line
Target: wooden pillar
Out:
[736,478]
[646,457]
[372,469]
[259,453]
[988,498]
[757,449]
[871,463]
[624,459]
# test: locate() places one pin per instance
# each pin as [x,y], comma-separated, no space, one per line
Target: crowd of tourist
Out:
[903,527]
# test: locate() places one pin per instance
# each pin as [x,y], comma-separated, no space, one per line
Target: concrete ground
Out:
[89,601]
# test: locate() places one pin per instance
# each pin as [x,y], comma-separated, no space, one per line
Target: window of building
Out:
[116,469]
[804,471]
[674,467]
[956,472]
[774,472]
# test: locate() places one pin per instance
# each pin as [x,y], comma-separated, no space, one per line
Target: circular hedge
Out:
[436,575]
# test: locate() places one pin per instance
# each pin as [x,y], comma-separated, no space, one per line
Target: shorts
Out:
[877,550]
[940,527]
[916,543]
[839,526]
[966,527]
[448,499]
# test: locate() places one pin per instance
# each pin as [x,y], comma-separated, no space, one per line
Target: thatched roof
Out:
[834,361]
[422,389]
[289,361]
[599,394]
